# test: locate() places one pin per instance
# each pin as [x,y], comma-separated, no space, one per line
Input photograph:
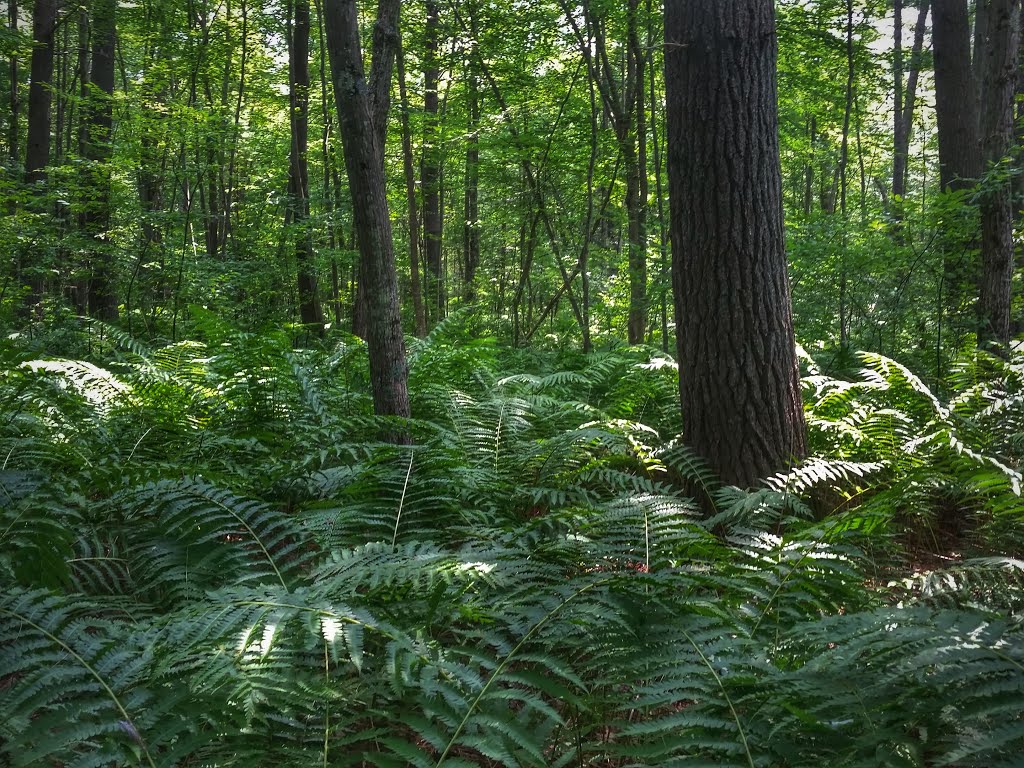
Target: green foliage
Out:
[207,558]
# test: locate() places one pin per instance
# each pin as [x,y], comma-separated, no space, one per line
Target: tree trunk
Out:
[410,198]
[636,180]
[739,380]
[310,312]
[430,170]
[364,163]
[844,162]
[621,98]
[1000,50]
[471,201]
[955,113]
[37,155]
[98,121]
[906,101]
[14,126]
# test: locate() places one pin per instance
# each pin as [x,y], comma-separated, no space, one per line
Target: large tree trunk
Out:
[95,218]
[739,380]
[364,163]
[430,171]
[310,312]
[1000,50]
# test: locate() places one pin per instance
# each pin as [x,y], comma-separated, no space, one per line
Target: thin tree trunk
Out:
[410,197]
[237,119]
[364,164]
[844,158]
[903,114]
[37,155]
[430,168]
[14,126]
[637,203]
[310,312]
[812,136]
[98,123]
[621,102]
[659,196]
[471,202]
[331,200]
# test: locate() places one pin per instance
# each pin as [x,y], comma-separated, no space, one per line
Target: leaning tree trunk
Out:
[310,312]
[363,151]
[999,66]
[739,380]
[95,218]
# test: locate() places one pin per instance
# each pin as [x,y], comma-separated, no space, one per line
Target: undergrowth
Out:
[209,558]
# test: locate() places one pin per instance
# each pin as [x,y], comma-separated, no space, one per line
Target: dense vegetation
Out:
[217,549]
[211,560]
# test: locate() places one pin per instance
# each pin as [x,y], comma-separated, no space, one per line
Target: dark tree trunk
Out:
[310,312]
[408,167]
[738,374]
[955,111]
[430,171]
[636,181]
[37,155]
[14,126]
[364,163]
[44,24]
[844,163]
[98,121]
[471,202]
[1000,50]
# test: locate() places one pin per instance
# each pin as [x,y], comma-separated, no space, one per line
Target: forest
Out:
[512,383]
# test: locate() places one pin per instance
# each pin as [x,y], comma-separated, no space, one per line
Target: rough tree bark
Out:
[739,380]
[999,49]
[362,140]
